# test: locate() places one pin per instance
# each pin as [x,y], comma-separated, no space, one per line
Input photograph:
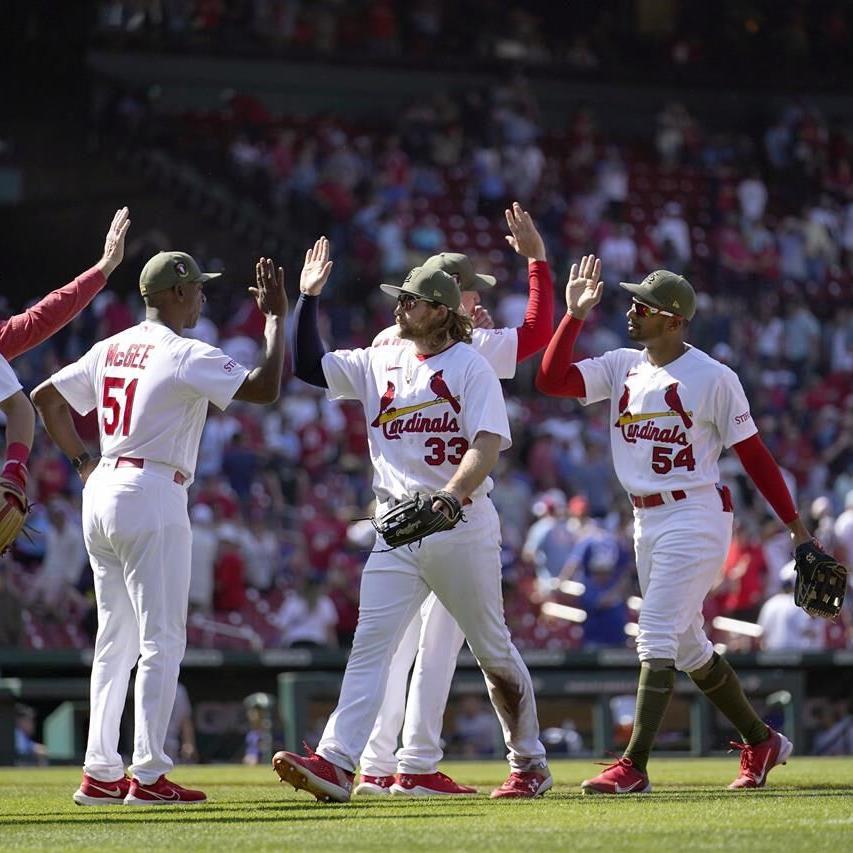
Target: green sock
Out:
[718,681]
[657,679]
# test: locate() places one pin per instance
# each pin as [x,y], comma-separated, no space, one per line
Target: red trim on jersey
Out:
[534,332]
[558,376]
[28,329]
[765,473]
[425,356]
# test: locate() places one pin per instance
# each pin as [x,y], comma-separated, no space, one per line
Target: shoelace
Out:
[745,756]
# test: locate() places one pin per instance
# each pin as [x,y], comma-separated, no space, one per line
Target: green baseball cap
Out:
[461,266]
[166,269]
[666,290]
[428,283]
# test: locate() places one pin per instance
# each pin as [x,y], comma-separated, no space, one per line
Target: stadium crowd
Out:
[761,223]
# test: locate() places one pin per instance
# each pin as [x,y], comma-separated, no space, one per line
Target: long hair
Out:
[455,326]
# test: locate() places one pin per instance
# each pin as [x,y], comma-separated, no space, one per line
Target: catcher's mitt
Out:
[411,520]
[14,507]
[821,581]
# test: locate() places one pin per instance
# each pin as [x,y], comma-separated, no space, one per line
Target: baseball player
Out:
[672,411]
[436,421]
[433,639]
[151,388]
[36,324]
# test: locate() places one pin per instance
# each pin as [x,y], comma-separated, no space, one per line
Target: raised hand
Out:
[316,270]
[525,239]
[114,243]
[584,288]
[481,318]
[269,292]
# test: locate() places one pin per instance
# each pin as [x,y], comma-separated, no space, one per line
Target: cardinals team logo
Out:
[628,422]
[390,418]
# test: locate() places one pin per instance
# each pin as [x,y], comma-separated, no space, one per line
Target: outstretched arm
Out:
[263,384]
[534,332]
[307,348]
[28,329]
[558,376]
[20,426]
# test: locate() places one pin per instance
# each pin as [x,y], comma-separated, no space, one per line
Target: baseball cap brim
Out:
[642,293]
[207,276]
[392,289]
[482,279]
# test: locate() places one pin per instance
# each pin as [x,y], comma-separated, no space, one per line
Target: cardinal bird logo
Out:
[439,387]
[623,401]
[385,402]
[672,400]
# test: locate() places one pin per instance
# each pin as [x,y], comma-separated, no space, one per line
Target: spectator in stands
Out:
[786,627]
[205,547]
[27,749]
[308,616]
[475,733]
[741,587]
[11,608]
[752,196]
[602,564]
[54,588]
[180,743]
[672,237]
[549,541]
[261,550]
[229,586]
[843,532]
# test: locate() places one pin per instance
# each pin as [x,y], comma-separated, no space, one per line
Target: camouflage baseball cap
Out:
[462,267]
[428,283]
[166,269]
[666,290]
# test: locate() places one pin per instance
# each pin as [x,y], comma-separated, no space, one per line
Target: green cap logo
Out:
[166,269]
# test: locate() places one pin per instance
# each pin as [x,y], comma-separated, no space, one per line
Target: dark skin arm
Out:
[56,415]
[263,383]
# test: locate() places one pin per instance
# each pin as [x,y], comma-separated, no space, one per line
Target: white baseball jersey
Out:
[422,413]
[498,346]
[151,388]
[8,381]
[668,424]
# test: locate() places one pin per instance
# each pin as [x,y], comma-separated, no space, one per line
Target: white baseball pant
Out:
[137,533]
[680,547]
[462,566]
[432,642]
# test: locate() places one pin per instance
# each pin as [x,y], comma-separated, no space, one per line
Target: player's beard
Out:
[413,330]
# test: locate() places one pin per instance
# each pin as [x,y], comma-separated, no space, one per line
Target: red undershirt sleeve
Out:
[558,376]
[534,332]
[764,472]
[28,329]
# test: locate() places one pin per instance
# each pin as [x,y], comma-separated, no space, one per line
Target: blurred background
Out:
[715,140]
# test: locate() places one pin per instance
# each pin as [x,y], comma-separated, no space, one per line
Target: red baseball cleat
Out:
[524,785]
[757,761]
[94,792]
[312,773]
[619,778]
[376,786]
[429,785]
[162,793]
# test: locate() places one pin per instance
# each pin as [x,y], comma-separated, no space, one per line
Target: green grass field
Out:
[807,805]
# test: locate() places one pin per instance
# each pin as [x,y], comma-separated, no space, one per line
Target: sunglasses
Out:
[407,301]
[641,309]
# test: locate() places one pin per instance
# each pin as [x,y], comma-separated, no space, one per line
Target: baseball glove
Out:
[821,581]
[413,519]
[14,508]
